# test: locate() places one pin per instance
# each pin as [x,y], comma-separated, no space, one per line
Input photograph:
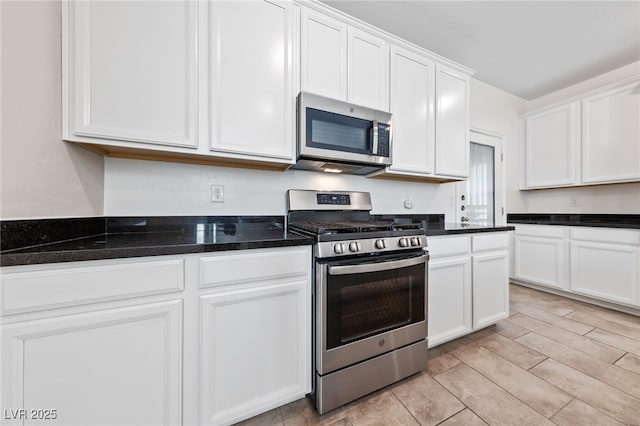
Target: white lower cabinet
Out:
[255,324]
[618,281]
[117,366]
[95,342]
[468,284]
[600,263]
[540,253]
[254,350]
[116,341]
[606,264]
[449,299]
[490,288]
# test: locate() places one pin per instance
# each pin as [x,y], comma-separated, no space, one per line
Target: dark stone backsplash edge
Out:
[16,234]
[21,234]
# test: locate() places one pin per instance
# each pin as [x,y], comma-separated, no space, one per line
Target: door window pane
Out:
[481,185]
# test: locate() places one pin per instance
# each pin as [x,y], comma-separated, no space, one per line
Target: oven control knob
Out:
[338,248]
[380,244]
[354,246]
[403,242]
[415,241]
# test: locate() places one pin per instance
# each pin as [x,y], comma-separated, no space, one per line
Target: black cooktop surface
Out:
[349,227]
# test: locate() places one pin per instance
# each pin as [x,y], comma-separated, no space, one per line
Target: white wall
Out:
[134,187]
[497,111]
[41,176]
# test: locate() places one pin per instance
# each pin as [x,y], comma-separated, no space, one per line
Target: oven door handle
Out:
[376,267]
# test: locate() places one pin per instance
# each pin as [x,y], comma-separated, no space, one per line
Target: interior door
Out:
[480,198]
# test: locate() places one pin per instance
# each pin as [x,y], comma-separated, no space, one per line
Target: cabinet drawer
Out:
[253,265]
[606,235]
[541,231]
[449,246]
[490,242]
[78,284]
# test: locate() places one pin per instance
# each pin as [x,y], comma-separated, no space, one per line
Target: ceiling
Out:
[527,48]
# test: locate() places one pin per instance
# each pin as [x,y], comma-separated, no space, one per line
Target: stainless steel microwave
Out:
[340,137]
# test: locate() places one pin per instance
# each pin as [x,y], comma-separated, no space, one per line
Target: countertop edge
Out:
[590,220]
[470,230]
[581,225]
[63,256]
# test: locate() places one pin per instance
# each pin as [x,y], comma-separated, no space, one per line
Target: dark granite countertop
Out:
[434,224]
[466,228]
[137,237]
[631,221]
[27,242]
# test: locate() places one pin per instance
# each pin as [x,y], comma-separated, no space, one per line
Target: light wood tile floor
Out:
[554,361]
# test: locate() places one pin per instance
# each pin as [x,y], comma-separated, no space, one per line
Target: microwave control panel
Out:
[384,136]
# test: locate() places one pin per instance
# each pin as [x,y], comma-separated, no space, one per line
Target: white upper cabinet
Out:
[551,138]
[324,55]
[430,104]
[207,81]
[131,72]
[593,139]
[412,100]
[611,135]
[342,62]
[452,123]
[252,95]
[215,82]
[368,70]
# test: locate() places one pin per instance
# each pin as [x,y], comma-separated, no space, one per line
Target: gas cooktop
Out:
[342,225]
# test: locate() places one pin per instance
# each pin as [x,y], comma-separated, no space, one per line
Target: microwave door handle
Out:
[374,147]
[376,267]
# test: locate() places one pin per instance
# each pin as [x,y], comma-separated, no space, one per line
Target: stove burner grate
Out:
[324,228]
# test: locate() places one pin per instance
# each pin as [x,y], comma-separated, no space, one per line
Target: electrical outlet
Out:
[574,201]
[217,193]
[409,204]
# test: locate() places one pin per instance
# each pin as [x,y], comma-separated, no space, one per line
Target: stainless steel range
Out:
[370,295]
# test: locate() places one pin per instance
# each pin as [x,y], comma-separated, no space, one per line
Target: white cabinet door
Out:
[252,78]
[449,308]
[606,271]
[452,123]
[256,348]
[324,55]
[540,260]
[368,70]
[490,288]
[343,63]
[118,367]
[551,141]
[131,72]
[412,100]
[611,135]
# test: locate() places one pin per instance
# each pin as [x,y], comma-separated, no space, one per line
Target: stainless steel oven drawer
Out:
[342,386]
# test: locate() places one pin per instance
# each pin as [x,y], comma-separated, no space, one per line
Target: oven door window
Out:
[338,132]
[361,305]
